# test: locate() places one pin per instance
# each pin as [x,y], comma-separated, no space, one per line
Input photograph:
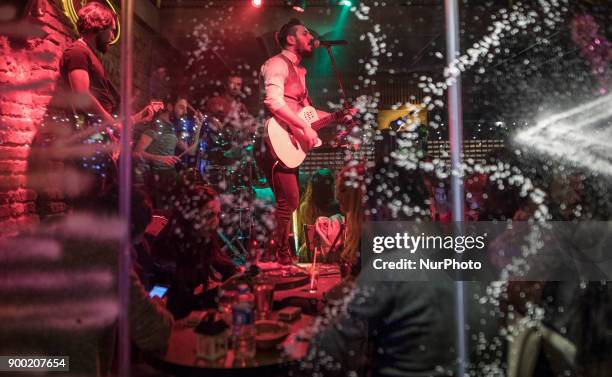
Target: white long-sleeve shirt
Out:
[274,72]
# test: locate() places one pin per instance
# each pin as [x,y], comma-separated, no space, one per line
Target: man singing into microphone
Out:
[284,80]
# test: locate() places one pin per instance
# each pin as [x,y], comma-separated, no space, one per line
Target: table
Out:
[180,358]
[327,281]
[301,296]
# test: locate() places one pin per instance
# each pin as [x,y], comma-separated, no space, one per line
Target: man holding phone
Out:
[158,291]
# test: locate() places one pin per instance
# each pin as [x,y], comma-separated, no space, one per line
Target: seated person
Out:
[409,326]
[107,203]
[77,318]
[318,200]
[351,188]
[146,315]
[192,241]
[395,328]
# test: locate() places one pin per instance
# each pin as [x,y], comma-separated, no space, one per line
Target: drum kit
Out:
[225,157]
[225,160]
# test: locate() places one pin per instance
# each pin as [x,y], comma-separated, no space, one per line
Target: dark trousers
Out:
[284,184]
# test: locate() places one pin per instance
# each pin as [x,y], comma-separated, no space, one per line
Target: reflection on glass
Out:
[535,82]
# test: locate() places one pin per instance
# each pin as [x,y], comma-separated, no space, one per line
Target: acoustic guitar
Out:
[288,148]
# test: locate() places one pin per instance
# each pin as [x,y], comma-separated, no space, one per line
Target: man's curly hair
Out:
[94,17]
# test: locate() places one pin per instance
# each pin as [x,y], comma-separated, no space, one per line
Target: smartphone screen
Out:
[158,291]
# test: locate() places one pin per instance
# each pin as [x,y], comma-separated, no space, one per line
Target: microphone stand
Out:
[337,74]
[342,93]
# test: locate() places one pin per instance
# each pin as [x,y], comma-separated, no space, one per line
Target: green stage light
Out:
[345,3]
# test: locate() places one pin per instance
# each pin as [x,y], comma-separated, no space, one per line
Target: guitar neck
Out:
[324,122]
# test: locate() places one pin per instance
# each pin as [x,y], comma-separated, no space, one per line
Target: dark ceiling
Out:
[413,33]
[282,3]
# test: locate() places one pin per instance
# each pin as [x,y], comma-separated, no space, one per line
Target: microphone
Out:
[317,43]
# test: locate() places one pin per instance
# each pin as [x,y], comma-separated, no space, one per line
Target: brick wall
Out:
[28,73]
[28,78]
[155,63]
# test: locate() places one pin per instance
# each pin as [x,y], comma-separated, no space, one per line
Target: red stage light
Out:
[256,3]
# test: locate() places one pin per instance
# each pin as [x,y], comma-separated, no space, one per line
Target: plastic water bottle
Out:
[243,320]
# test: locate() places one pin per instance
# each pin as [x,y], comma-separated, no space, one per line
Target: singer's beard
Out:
[306,53]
